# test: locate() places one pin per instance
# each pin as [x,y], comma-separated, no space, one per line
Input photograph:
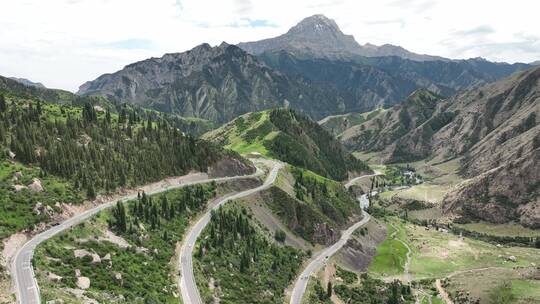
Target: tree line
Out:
[96,152]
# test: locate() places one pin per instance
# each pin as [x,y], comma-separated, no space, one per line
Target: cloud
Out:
[479,30]
[130,44]
[418,6]
[401,22]
[243,6]
[63,43]
[247,22]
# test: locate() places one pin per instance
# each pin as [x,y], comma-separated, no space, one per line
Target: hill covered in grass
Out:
[291,137]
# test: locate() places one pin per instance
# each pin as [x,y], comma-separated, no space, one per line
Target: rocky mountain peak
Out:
[320,37]
[316,24]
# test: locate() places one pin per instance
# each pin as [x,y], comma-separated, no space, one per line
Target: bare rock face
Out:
[323,234]
[507,193]
[83,282]
[18,175]
[214,83]
[229,166]
[19,187]
[321,37]
[36,186]
[53,277]
[360,249]
[81,253]
[38,208]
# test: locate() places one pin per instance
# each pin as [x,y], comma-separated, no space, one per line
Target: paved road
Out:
[320,258]
[354,180]
[26,287]
[188,287]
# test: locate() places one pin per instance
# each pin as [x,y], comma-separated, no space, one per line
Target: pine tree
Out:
[90,191]
[3,104]
[329,289]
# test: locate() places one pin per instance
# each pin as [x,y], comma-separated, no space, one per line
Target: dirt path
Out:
[442,292]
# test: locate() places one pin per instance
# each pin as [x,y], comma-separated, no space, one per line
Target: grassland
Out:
[467,262]
[425,192]
[391,254]
[509,230]
[496,285]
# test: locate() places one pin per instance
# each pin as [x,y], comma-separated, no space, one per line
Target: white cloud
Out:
[63,43]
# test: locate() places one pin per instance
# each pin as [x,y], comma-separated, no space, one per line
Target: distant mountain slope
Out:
[28,82]
[387,127]
[214,83]
[337,124]
[50,95]
[290,137]
[327,77]
[319,36]
[366,83]
[494,130]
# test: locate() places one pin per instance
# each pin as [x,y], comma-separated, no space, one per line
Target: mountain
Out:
[535,63]
[337,124]
[384,128]
[28,82]
[367,83]
[291,137]
[320,37]
[214,83]
[219,83]
[493,130]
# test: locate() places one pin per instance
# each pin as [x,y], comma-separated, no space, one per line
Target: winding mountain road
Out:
[188,286]
[26,286]
[320,258]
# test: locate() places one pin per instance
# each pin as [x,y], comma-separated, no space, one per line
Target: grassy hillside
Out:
[291,137]
[311,206]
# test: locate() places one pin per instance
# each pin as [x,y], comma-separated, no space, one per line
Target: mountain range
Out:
[28,82]
[320,37]
[313,68]
[493,131]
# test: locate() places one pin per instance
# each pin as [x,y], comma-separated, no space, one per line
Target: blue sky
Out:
[63,43]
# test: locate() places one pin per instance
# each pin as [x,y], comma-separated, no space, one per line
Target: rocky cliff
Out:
[214,83]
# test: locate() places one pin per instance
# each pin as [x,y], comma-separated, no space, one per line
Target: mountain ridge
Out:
[495,133]
[214,83]
[321,37]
